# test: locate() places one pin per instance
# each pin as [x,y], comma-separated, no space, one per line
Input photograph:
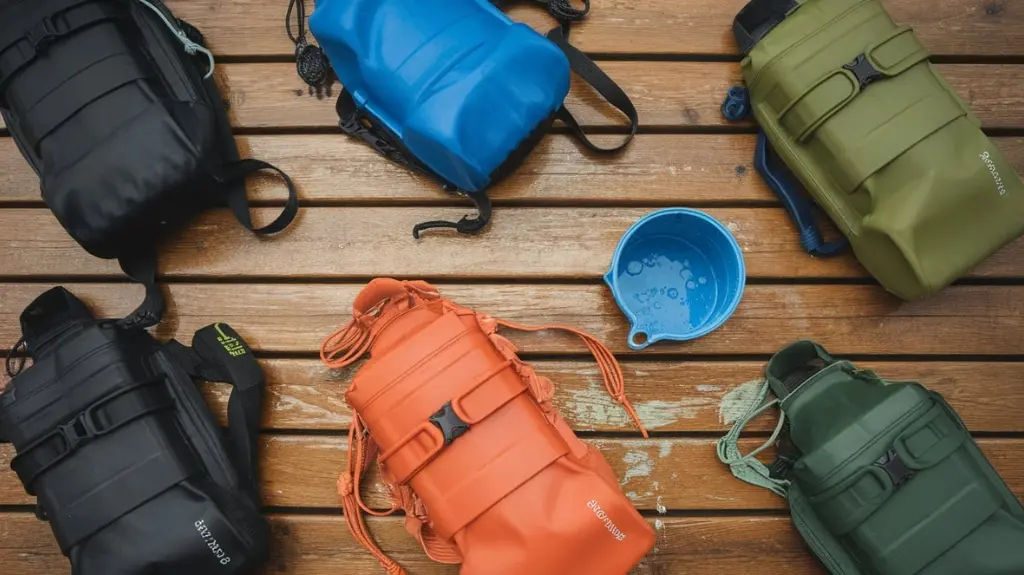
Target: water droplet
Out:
[634,268]
[702,280]
[691,285]
[673,293]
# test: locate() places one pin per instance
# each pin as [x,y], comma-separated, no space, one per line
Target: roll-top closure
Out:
[923,444]
[832,92]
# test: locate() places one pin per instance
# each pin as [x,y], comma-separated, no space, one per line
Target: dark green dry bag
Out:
[882,477]
[853,108]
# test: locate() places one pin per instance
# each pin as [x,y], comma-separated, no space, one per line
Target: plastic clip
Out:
[864,70]
[450,424]
[895,468]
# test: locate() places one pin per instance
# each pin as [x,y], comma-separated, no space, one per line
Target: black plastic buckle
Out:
[864,70]
[786,457]
[894,466]
[450,424]
[77,432]
[42,34]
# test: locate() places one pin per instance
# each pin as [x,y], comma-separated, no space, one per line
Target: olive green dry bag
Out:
[882,477]
[853,108]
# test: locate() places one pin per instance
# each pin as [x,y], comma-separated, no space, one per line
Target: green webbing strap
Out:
[747,467]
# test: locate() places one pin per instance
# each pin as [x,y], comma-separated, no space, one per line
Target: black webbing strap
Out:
[101,418]
[140,265]
[233,171]
[218,353]
[238,199]
[589,71]
[18,48]
[757,19]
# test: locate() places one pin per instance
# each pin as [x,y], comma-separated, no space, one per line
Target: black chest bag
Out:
[114,105]
[128,464]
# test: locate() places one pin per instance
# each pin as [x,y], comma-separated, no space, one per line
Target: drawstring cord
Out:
[362,452]
[191,48]
[310,61]
[614,382]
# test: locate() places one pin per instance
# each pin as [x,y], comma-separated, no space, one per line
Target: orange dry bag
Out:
[470,446]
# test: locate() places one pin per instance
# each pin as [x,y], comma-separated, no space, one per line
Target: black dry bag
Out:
[118,446]
[114,105]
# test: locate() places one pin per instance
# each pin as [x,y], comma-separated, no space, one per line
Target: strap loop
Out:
[589,71]
[747,467]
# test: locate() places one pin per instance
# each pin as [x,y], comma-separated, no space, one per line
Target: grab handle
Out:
[780,180]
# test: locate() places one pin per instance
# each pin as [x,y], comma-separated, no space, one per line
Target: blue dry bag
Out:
[454,88]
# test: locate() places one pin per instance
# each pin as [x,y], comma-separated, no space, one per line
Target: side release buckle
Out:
[42,34]
[450,424]
[895,468]
[864,70]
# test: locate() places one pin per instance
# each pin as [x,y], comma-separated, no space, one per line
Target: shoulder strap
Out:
[234,171]
[140,266]
[588,70]
[747,467]
[593,75]
[218,353]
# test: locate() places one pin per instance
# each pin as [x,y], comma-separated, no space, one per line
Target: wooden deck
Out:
[557,222]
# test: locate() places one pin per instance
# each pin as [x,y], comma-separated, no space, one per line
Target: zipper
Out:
[757,77]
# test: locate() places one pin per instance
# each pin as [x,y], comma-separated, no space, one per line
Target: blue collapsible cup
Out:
[678,274]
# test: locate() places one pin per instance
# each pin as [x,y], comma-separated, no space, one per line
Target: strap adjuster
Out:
[451,425]
[42,34]
[895,468]
[864,70]
[78,431]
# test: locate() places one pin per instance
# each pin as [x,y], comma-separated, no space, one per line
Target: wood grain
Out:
[666,94]
[975,320]
[318,545]
[576,243]
[657,170]
[679,396]
[677,474]
[975,27]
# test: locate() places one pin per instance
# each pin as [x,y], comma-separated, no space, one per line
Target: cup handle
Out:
[638,340]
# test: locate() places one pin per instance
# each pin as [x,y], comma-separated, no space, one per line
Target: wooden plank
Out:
[318,545]
[666,94]
[577,243]
[639,27]
[669,94]
[659,474]
[657,170]
[846,319]
[669,396]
